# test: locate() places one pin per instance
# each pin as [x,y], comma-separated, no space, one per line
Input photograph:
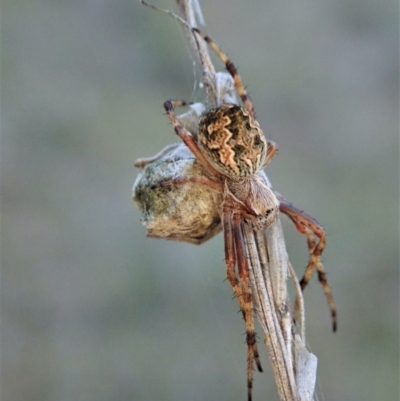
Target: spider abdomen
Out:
[232,141]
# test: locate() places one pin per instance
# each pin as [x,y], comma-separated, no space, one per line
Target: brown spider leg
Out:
[230,257]
[196,179]
[234,251]
[306,225]
[180,103]
[317,249]
[188,139]
[232,70]
[243,270]
[144,161]
[272,150]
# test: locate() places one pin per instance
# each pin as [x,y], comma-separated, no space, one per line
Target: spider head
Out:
[232,141]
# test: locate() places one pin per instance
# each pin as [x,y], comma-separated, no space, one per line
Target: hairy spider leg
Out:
[272,150]
[235,253]
[232,70]
[180,103]
[306,225]
[243,269]
[144,161]
[230,257]
[317,249]
[187,138]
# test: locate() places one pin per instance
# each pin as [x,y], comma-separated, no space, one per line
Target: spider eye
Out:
[257,140]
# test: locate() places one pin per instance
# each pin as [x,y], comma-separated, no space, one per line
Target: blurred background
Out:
[91,309]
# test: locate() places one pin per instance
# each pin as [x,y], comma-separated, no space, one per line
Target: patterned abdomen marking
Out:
[232,141]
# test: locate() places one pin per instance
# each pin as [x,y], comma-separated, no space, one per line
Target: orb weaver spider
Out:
[231,147]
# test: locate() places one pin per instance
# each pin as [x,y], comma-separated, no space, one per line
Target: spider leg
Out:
[144,161]
[196,179]
[180,103]
[187,138]
[230,257]
[306,225]
[235,252]
[272,150]
[232,70]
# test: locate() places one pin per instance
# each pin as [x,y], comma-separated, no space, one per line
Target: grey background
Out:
[93,310]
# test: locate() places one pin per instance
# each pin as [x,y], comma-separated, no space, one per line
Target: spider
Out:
[231,147]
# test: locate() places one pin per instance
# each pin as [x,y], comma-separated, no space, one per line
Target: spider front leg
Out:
[235,252]
[232,70]
[272,150]
[187,138]
[306,225]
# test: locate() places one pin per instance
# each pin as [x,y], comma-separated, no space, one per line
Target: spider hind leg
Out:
[235,253]
[307,226]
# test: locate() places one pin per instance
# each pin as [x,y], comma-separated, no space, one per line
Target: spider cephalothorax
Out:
[261,207]
[232,141]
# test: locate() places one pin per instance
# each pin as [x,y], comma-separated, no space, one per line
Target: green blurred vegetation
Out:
[93,310]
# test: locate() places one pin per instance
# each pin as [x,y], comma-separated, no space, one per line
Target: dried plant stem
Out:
[189,10]
[265,304]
